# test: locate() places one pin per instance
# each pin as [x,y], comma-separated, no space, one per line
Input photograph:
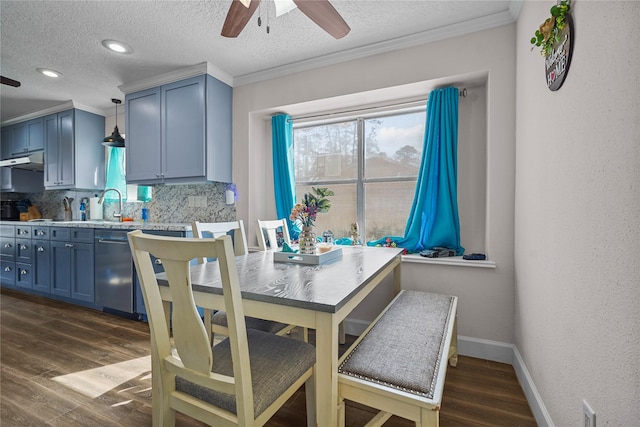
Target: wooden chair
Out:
[271,228]
[216,323]
[243,380]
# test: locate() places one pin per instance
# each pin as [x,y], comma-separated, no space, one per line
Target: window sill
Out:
[455,261]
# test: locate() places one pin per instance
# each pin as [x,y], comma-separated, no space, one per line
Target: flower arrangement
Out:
[548,33]
[313,203]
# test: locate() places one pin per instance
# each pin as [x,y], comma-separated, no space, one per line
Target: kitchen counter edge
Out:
[127,225]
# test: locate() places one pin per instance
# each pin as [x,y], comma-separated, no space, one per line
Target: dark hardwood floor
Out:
[63,365]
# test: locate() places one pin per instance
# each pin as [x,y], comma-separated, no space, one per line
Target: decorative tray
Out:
[311,259]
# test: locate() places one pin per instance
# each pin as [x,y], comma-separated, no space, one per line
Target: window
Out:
[370,162]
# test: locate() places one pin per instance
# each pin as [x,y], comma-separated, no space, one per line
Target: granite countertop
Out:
[126,225]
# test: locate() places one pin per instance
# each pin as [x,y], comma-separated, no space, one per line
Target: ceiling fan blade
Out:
[10,82]
[237,17]
[325,16]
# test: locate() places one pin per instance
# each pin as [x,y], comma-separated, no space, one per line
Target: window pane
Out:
[342,212]
[387,208]
[393,145]
[326,152]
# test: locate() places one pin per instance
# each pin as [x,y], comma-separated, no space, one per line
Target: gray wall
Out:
[577,222]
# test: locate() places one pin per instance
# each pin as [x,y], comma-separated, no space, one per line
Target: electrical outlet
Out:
[589,415]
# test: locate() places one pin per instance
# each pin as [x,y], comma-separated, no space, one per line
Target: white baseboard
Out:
[489,350]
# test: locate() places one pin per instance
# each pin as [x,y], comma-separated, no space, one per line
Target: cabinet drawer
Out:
[24,250]
[23,231]
[7,230]
[7,273]
[40,233]
[60,233]
[82,235]
[8,248]
[24,275]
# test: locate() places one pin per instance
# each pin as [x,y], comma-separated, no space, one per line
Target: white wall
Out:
[577,216]
[486,295]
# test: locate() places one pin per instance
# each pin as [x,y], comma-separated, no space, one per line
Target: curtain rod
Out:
[462,94]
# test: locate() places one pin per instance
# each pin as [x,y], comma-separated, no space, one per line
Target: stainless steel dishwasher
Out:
[113,270]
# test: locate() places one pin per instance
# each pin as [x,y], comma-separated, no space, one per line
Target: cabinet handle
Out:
[7,269]
[68,245]
[158,261]
[23,247]
[40,233]
[7,245]
[40,249]
[23,272]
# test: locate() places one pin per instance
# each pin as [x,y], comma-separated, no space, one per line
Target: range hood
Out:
[33,161]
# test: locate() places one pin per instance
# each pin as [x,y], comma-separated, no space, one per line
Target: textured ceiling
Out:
[170,35]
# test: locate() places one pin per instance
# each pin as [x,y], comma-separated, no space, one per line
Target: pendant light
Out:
[115,139]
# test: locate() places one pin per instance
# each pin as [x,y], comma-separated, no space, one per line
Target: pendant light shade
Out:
[115,139]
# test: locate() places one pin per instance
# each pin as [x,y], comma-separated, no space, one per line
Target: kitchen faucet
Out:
[115,214]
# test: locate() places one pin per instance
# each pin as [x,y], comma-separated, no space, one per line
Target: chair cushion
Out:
[276,363]
[220,318]
[404,348]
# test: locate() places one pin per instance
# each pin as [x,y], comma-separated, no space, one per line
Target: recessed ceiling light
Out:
[116,46]
[49,73]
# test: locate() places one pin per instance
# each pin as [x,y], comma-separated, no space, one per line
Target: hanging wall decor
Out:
[555,40]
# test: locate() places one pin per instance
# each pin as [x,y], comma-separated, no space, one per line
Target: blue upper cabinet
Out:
[23,138]
[74,155]
[179,132]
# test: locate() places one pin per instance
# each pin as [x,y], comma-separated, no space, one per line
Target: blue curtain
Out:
[433,219]
[115,174]
[284,182]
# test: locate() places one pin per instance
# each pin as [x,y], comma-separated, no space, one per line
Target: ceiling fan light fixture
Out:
[115,139]
[49,72]
[284,6]
[116,46]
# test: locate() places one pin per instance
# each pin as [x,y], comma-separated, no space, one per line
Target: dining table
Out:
[315,296]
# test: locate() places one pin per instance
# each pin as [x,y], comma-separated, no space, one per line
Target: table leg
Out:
[326,370]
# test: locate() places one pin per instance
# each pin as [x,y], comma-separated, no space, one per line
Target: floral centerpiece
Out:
[313,203]
[306,213]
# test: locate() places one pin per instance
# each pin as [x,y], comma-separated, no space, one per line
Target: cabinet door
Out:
[35,134]
[6,143]
[24,251]
[183,128]
[143,136]
[20,140]
[82,272]
[41,266]
[61,268]
[24,275]
[52,150]
[66,147]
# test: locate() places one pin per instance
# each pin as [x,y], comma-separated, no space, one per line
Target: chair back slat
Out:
[270,227]
[219,229]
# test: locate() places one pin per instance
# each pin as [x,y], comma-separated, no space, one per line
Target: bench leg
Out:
[453,349]
[429,418]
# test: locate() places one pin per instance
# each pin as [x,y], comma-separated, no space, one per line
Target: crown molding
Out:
[181,74]
[67,105]
[455,30]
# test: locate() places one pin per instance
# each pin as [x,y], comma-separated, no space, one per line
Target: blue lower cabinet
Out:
[42,266]
[61,268]
[82,272]
[8,273]
[24,276]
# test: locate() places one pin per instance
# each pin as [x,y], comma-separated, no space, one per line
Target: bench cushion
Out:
[405,346]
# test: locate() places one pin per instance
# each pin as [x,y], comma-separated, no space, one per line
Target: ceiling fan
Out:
[7,81]
[319,11]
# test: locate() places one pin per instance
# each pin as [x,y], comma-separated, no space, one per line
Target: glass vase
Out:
[307,241]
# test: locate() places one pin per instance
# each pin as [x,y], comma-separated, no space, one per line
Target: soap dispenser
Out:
[83,208]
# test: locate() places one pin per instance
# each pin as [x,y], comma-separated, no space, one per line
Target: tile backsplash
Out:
[170,204]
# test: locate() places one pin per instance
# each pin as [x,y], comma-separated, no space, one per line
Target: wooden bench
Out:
[398,365]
